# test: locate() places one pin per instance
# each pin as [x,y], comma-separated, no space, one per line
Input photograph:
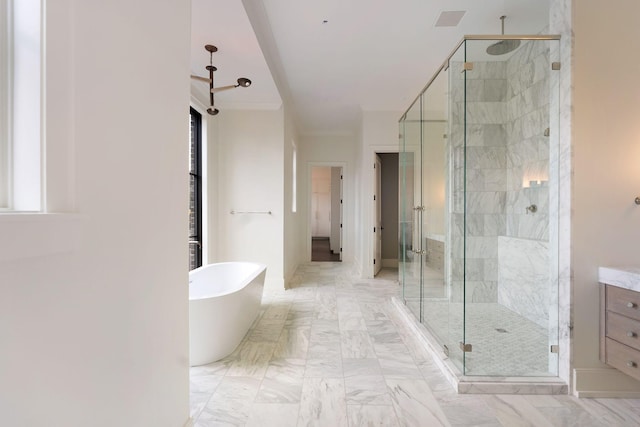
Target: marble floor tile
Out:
[231,402]
[325,331]
[201,389]
[296,319]
[325,350]
[615,412]
[351,321]
[293,343]
[267,330]
[572,417]
[361,367]
[326,312]
[372,416]
[398,368]
[373,311]
[516,411]
[381,326]
[348,304]
[357,344]
[396,351]
[273,415]
[323,403]
[282,382]
[277,310]
[332,351]
[330,367]
[415,404]
[466,410]
[253,360]
[367,390]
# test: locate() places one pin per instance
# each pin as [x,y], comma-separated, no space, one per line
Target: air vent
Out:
[450,18]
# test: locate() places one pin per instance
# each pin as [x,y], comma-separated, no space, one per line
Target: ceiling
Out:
[332,59]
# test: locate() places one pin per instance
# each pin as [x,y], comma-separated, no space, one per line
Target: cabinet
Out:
[620,329]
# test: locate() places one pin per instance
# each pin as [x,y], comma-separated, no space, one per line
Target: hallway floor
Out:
[321,250]
[332,352]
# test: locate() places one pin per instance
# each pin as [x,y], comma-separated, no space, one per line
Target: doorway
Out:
[386,185]
[326,213]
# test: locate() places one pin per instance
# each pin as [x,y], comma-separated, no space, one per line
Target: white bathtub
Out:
[224,300]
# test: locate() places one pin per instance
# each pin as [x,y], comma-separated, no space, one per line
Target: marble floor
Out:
[332,352]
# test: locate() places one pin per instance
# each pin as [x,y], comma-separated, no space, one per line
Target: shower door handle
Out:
[419,251]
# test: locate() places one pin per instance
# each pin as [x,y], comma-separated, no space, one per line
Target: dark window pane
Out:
[195,190]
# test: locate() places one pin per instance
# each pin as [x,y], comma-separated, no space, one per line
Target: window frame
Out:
[6,100]
[22,151]
[195,138]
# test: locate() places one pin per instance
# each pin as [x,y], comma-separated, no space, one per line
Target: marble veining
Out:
[523,282]
[623,277]
[399,385]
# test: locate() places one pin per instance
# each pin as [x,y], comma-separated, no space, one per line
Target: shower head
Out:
[503,46]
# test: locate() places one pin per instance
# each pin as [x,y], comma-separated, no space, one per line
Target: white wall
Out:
[379,134]
[249,172]
[606,153]
[328,150]
[93,306]
[336,183]
[294,222]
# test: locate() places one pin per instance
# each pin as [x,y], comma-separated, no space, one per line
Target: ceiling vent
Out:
[450,18]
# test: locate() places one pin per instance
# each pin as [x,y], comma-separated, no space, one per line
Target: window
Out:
[294,178]
[195,189]
[20,105]
[5,102]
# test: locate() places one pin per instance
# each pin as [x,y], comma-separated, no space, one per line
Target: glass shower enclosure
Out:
[479,206]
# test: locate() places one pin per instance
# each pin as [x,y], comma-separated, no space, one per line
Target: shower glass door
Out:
[479,207]
[410,257]
[510,108]
[442,305]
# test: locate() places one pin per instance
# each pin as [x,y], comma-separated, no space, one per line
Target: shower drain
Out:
[501,330]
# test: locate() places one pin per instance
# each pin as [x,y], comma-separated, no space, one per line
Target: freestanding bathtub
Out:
[224,300]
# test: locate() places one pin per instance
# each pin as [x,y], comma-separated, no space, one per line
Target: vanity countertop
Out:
[623,277]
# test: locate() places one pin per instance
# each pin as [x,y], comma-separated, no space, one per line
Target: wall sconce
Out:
[242,81]
[637,200]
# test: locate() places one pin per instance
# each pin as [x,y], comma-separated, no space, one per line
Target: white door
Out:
[321,202]
[377,232]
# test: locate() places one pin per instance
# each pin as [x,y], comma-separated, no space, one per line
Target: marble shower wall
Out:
[507,170]
[485,175]
[528,74]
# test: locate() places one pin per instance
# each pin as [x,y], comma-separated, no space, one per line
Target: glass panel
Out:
[437,310]
[410,196]
[455,198]
[510,288]
[479,208]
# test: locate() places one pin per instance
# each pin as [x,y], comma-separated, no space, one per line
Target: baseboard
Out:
[390,263]
[604,382]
